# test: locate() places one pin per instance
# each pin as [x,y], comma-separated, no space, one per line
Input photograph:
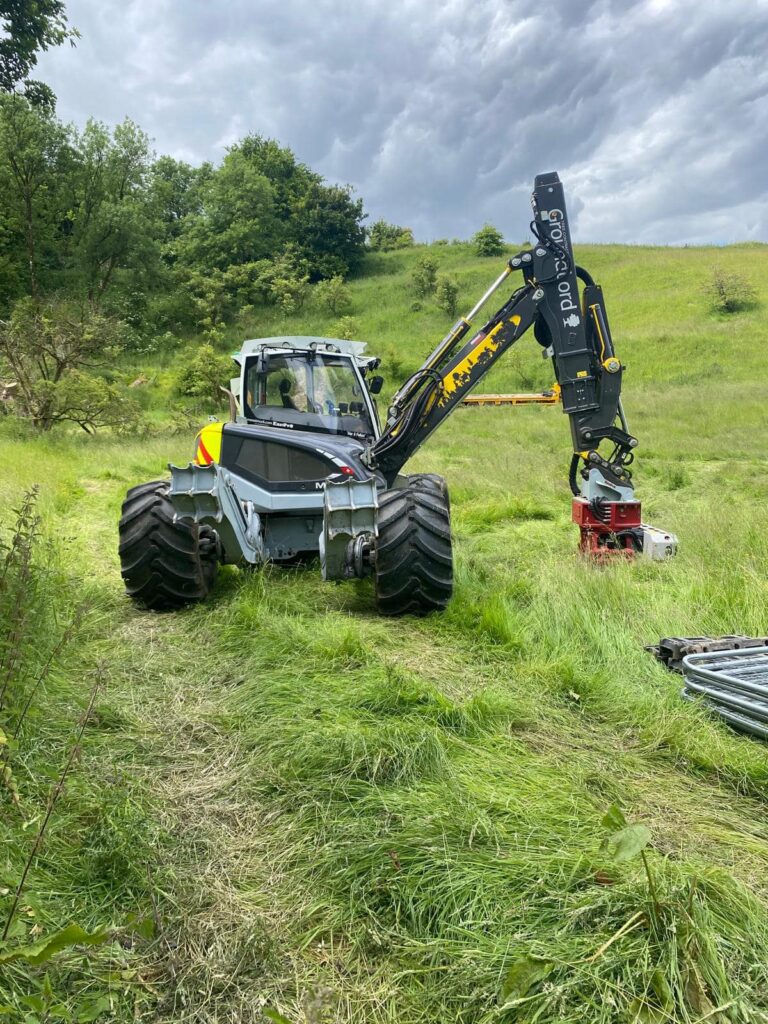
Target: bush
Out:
[333,295]
[289,293]
[285,282]
[447,294]
[392,364]
[729,292]
[204,374]
[347,328]
[50,352]
[424,277]
[382,236]
[488,241]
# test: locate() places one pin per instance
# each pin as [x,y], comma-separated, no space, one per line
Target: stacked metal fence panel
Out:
[733,684]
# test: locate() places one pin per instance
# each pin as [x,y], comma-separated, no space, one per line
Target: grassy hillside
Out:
[343,818]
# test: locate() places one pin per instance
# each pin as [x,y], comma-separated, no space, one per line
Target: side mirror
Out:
[375,385]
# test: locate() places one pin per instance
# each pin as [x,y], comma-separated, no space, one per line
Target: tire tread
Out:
[165,562]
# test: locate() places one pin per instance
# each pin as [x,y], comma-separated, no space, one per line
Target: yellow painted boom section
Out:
[458,375]
[551,397]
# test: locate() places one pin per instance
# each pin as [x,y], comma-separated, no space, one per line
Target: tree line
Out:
[104,247]
[94,216]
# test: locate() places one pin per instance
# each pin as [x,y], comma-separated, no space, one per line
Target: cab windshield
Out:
[312,391]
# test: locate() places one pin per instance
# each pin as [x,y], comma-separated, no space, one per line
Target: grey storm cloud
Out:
[654,112]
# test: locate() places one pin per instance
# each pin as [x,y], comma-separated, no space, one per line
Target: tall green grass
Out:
[344,818]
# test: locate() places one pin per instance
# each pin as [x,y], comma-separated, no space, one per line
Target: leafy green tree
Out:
[424,277]
[290,179]
[260,203]
[284,281]
[29,27]
[175,192]
[447,294]
[112,225]
[54,352]
[289,292]
[79,213]
[488,241]
[204,374]
[383,236]
[34,157]
[329,231]
[333,295]
[238,221]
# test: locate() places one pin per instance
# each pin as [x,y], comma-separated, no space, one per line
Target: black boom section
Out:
[572,328]
[585,366]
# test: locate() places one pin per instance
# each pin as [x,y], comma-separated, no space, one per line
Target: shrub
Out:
[729,292]
[289,292]
[424,277]
[204,374]
[382,236]
[50,352]
[347,328]
[447,294]
[392,364]
[333,295]
[283,281]
[488,241]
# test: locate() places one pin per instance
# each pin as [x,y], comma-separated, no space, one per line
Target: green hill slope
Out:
[355,819]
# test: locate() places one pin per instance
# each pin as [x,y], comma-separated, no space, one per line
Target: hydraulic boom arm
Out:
[574,331]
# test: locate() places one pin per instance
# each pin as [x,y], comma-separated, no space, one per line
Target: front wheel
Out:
[165,562]
[413,569]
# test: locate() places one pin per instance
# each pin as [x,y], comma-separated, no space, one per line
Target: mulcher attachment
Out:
[614,529]
[608,528]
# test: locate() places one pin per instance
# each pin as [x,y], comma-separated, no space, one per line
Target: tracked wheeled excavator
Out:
[305,467]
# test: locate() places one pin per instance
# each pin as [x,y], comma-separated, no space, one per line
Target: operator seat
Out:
[285,398]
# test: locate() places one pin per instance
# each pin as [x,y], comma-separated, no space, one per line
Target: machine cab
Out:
[309,384]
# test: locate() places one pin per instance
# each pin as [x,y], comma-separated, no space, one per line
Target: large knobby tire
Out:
[165,563]
[414,562]
[431,481]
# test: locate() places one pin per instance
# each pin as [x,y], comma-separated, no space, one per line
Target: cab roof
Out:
[303,342]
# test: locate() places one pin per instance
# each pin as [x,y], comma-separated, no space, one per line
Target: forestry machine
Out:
[305,467]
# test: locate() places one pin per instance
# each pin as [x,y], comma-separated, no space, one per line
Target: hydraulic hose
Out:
[572,475]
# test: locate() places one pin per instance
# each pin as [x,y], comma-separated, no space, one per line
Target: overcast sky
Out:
[440,112]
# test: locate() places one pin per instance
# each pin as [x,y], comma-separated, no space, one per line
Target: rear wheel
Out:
[414,562]
[165,563]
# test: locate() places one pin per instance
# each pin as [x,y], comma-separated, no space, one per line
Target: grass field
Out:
[333,817]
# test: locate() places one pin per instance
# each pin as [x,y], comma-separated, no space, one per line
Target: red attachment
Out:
[347,470]
[609,529]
